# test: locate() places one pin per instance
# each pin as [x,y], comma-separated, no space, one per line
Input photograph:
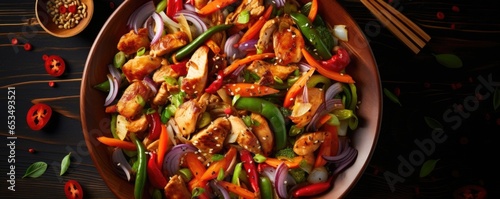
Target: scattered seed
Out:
[66,13]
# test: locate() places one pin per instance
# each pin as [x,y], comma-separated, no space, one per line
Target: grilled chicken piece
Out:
[254,7]
[187,115]
[130,42]
[263,133]
[245,138]
[210,140]
[161,96]
[168,43]
[260,68]
[196,78]
[138,125]
[287,43]
[176,188]
[266,33]
[308,142]
[163,72]
[129,104]
[141,66]
[316,98]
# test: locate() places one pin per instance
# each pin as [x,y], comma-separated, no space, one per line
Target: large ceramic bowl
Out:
[363,68]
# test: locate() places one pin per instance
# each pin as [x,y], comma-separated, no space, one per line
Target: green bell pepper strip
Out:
[266,188]
[317,79]
[141,175]
[271,112]
[188,49]
[311,34]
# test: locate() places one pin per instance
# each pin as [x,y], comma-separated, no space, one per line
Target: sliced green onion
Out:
[243,17]
[119,59]
[259,158]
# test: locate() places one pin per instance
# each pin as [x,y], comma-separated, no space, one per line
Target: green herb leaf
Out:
[496,99]
[449,60]
[433,123]
[391,96]
[35,170]
[65,163]
[427,167]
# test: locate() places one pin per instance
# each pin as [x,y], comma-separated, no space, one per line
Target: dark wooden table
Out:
[460,99]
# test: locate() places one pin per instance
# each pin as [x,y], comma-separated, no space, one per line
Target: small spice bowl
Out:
[64,18]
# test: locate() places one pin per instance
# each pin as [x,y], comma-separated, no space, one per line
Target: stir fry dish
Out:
[230,99]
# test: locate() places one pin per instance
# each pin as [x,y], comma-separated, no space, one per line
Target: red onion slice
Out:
[151,84]
[219,189]
[113,90]
[119,159]
[158,31]
[115,73]
[173,157]
[280,183]
[192,17]
[140,15]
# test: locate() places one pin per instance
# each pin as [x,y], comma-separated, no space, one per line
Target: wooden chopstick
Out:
[402,27]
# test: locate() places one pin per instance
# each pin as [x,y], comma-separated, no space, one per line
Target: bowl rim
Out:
[76,30]
[370,61]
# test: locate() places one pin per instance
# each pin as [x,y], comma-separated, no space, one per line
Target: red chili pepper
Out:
[154,125]
[180,68]
[338,61]
[250,169]
[62,9]
[313,189]
[155,175]
[72,9]
[216,84]
[170,9]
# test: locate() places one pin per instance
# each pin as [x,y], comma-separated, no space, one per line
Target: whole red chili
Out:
[155,175]
[338,61]
[216,84]
[250,169]
[313,189]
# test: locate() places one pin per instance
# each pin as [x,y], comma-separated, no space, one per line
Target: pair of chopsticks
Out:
[403,28]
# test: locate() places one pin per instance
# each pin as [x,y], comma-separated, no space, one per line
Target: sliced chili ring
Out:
[54,65]
[73,190]
[38,116]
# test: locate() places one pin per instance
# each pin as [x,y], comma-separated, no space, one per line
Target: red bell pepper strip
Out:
[324,150]
[214,6]
[341,77]
[154,125]
[338,61]
[180,68]
[297,88]
[117,143]
[250,169]
[313,189]
[216,84]
[155,175]
[170,9]
[334,144]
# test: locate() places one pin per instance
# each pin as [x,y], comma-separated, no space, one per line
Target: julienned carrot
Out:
[213,171]
[297,87]
[313,11]
[162,146]
[229,69]
[324,150]
[254,30]
[341,77]
[117,143]
[240,191]
[293,163]
[323,120]
[249,89]
[334,146]
[214,6]
[195,165]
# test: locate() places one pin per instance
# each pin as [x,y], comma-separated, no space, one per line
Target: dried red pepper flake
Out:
[440,15]
[112,5]
[455,8]
[52,84]
[228,111]
[31,150]
[397,91]
[27,46]
[14,41]
[452,26]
